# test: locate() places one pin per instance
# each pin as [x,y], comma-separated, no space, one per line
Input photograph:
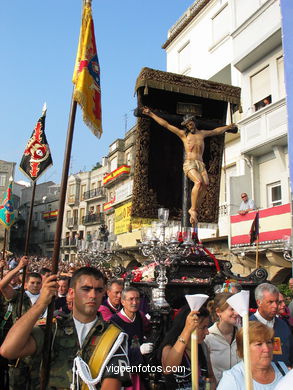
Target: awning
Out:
[173,82]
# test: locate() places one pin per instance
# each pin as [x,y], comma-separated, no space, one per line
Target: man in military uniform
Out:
[23,373]
[75,336]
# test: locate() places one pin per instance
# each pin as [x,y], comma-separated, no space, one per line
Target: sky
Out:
[38,43]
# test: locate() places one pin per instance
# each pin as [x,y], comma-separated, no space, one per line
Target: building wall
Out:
[242,43]
[115,192]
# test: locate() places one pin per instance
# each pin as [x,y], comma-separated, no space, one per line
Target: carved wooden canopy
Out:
[158,172]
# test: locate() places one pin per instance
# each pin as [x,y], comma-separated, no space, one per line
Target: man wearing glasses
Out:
[246,204]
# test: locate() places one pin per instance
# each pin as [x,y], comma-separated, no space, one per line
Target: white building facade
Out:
[239,42]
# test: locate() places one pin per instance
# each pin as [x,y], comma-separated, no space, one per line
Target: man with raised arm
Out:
[193,167]
[84,335]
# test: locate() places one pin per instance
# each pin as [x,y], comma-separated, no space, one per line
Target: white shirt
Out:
[247,205]
[33,297]
[125,315]
[286,382]
[270,324]
[82,329]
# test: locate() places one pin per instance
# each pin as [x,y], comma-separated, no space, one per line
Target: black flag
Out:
[37,156]
[254,230]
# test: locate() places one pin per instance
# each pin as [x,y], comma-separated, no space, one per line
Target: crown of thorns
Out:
[188,118]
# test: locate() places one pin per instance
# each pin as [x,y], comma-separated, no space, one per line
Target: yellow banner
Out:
[123,221]
[86,77]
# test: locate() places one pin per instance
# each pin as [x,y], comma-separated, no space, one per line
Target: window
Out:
[2,180]
[81,215]
[220,25]
[128,158]
[82,191]
[274,192]
[113,147]
[113,164]
[260,88]
[264,102]
[71,189]
[184,58]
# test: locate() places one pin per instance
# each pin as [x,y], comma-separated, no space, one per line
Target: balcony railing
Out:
[71,222]
[264,127]
[117,174]
[69,242]
[274,227]
[71,199]
[97,218]
[95,193]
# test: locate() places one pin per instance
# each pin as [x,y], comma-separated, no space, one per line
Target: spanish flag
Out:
[86,76]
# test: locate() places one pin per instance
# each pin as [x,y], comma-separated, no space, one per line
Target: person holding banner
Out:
[79,339]
[175,350]
[265,373]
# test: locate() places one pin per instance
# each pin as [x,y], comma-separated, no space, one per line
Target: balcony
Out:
[264,129]
[72,222]
[274,227]
[257,36]
[93,219]
[116,175]
[71,199]
[94,194]
[69,242]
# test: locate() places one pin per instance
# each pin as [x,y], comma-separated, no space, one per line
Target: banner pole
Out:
[26,246]
[45,368]
[3,251]
[257,255]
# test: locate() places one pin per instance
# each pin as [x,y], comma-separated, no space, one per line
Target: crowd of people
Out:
[102,323]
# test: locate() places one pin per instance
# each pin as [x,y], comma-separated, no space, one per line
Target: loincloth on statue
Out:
[199,166]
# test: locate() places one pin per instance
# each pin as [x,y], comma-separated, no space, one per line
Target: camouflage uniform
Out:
[23,373]
[66,347]
[5,325]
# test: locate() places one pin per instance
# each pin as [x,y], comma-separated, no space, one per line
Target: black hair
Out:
[44,270]
[89,271]
[65,278]
[33,275]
